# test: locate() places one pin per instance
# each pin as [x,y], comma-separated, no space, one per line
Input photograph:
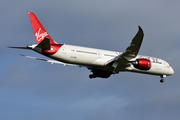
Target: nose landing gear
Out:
[162,80]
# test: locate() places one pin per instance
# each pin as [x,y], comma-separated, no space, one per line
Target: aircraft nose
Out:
[171,71]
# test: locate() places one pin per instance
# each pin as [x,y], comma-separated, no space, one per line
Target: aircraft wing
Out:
[135,45]
[51,61]
[131,51]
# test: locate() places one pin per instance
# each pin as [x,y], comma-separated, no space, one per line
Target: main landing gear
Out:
[162,80]
[100,73]
[92,76]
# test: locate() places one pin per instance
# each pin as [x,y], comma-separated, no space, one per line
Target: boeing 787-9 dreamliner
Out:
[102,63]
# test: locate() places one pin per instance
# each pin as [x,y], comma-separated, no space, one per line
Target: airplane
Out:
[102,63]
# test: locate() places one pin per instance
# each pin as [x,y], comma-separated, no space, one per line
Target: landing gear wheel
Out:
[162,80]
[91,76]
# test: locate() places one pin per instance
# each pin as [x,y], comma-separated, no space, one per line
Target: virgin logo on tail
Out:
[40,36]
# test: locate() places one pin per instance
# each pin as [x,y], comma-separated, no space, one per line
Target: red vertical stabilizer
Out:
[39,31]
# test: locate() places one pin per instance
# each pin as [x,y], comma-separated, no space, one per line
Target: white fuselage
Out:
[97,58]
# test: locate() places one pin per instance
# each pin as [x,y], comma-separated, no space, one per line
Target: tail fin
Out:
[39,31]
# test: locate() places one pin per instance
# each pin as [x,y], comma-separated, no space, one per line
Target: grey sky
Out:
[37,90]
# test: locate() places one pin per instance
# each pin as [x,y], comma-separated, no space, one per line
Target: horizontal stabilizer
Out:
[44,44]
[20,47]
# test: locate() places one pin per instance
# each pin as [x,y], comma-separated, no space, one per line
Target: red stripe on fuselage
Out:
[53,50]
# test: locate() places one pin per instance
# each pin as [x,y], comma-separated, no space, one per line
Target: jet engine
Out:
[142,64]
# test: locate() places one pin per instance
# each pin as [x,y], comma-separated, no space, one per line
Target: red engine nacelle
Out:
[142,64]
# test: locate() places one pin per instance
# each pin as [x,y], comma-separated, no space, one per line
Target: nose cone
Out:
[171,72]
